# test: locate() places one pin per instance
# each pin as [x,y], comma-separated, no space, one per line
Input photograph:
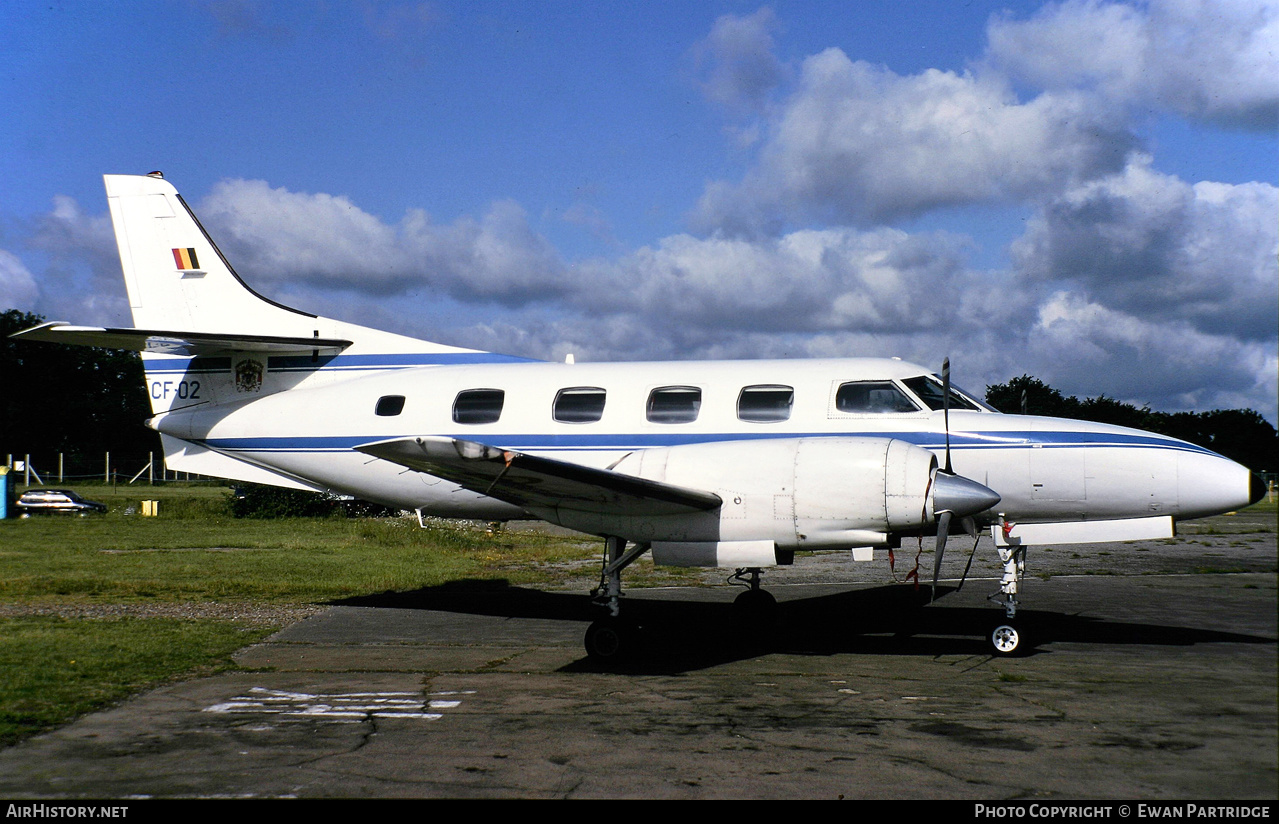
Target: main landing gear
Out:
[612,638]
[755,608]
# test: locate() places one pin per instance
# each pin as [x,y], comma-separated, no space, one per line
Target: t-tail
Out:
[207,338]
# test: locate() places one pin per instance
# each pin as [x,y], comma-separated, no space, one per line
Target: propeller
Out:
[954,495]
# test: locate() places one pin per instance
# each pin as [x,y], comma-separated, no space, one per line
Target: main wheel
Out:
[1006,640]
[756,608]
[754,615]
[608,640]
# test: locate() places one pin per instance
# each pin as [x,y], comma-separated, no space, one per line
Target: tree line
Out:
[1242,435]
[84,401]
[78,401]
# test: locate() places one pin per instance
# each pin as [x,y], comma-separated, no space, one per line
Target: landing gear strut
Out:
[611,638]
[1007,639]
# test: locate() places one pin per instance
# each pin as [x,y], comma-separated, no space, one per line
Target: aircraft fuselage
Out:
[1045,469]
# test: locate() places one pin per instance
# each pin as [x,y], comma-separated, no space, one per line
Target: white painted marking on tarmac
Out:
[345,706]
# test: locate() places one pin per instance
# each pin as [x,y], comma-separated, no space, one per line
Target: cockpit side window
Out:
[873,397]
[929,389]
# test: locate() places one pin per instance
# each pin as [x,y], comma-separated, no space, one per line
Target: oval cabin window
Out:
[581,404]
[674,404]
[765,404]
[478,406]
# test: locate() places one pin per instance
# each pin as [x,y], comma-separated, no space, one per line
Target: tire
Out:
[1007,641]
[608,640]
[756,607]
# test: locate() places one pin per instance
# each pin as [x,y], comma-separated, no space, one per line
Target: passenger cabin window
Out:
[674,404]
[929,390]
[478,406]
[765,404]
[873,397]
[389,406]
[581,404]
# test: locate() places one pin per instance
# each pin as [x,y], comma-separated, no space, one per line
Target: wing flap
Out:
[169,342]
[533,481]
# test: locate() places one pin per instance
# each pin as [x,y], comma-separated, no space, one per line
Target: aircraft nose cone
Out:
[1256,488]
[960,495]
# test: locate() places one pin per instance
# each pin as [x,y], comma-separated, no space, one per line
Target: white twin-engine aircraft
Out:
[735,464]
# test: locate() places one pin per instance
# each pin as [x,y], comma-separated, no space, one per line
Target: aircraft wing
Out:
[167,342]
[531,481]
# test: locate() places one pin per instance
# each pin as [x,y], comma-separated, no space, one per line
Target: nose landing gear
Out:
[1007,639]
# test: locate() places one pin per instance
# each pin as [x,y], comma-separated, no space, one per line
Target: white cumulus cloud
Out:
[858,143]
[18,289]
[1214,60]
[1149,243]
[276,235]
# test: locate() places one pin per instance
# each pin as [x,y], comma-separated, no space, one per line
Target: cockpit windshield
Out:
[929,389]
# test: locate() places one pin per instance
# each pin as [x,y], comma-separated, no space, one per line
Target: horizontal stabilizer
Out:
[166,342]
[184,456]
[532,481]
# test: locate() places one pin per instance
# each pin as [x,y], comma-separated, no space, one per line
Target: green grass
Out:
[53,668]
[195,551]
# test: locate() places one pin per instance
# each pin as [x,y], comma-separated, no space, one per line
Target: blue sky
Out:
[1081,191]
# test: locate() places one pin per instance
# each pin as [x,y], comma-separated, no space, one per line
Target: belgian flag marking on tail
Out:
[185,259]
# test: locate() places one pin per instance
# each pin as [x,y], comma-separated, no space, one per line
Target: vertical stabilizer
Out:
[180,284]
[175,275]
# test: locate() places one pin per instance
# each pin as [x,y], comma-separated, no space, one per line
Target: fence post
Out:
[26,470]
[106,473]
[151,468]
[59,467]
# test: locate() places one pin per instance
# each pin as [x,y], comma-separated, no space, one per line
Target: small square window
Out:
[388,406]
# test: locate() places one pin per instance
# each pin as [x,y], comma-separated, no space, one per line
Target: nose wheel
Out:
[1006,640]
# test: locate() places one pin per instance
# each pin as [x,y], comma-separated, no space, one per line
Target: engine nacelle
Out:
[798,493]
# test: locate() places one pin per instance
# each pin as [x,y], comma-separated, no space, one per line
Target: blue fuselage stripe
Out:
[330,363]
[617,442]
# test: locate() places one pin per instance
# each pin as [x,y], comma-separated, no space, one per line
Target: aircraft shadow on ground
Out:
[676,635]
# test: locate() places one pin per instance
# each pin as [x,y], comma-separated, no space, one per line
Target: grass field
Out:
[95,608]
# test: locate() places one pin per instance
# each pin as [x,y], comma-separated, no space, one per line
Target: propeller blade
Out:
[945,405]
[968,565]
[943,529]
